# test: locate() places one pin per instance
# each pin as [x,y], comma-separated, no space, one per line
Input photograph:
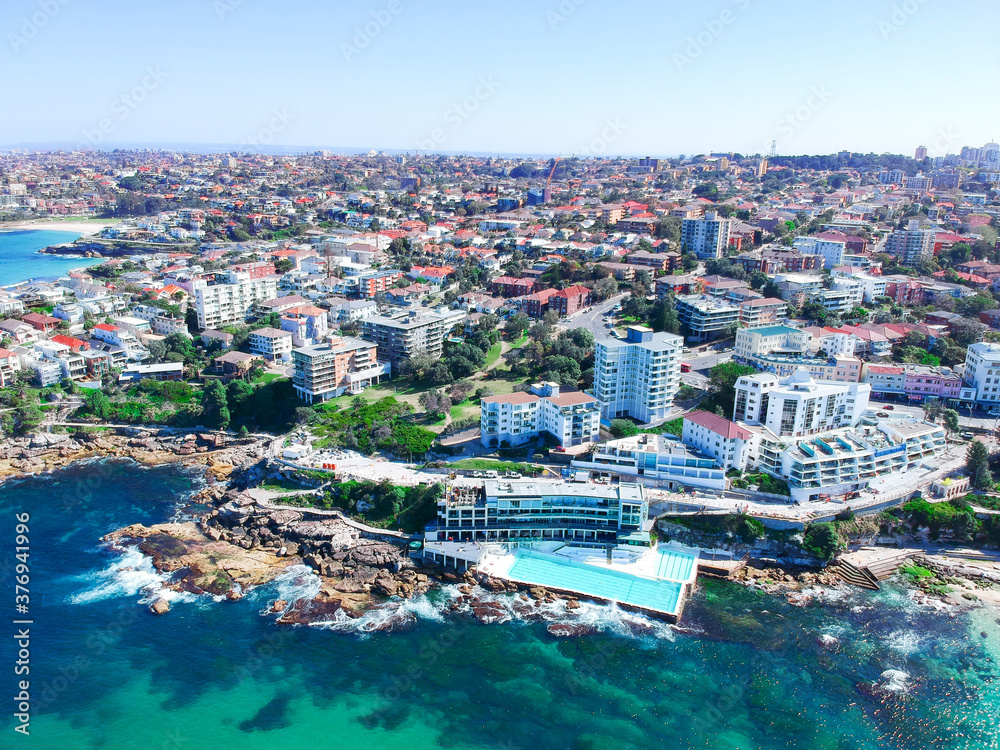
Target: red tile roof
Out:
[718,425]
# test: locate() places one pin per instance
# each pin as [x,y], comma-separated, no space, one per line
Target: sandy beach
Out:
[84,227]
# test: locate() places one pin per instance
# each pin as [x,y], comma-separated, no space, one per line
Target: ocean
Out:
[746,670]
[20,260]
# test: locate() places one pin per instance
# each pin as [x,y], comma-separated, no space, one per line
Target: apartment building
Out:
[341,365]
[727,442]
[982,372]
[160,321]
[913,244]
[568,416]
[706,318]
[770,340]
[766,311]
[230,301]
[579,513]
[272,344]
[122,338]
[638,376]
[885,380]
[796,288]
[921,383]
[401,335]
[308,324]
[569,300]
[659,461]
[798,405]
[707,237]
[10,365]
[370,284]
[350,311]
[833,369]
[828,246]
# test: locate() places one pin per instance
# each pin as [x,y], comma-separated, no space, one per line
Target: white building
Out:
[122,338]
[219,304]
[272,344]
[638,377]
[798,405]
[160,321]
[657,460]
[579,513]
[751,342]
[831,250]
[727,442]
[571,417]
[913,244]
[982,372]
[707,237]
[706,317]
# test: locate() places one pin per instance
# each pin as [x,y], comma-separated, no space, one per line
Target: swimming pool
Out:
[560,573]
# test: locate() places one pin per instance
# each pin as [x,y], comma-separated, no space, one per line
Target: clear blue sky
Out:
[623,77]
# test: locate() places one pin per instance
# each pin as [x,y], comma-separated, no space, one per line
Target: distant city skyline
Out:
[568,77]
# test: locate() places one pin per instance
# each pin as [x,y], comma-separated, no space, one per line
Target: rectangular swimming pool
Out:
[604,583]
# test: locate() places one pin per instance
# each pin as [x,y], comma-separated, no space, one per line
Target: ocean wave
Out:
[893,681]
[293,584]
[906,642]
[131,573]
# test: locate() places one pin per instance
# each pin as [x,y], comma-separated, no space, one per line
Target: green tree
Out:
[951,420]
[821,540]
[623,428]
[722,383]
[215,406]
[516,325]
[977,464]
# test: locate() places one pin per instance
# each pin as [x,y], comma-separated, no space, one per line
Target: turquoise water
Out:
[674,566]
[613,585]
[748,671]
[20,261]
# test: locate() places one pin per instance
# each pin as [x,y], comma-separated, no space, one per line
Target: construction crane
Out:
[552,172]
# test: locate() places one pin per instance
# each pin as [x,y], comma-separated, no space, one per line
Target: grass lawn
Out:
[493,354]
[277,485]
[487,464]
[267,377]
[520,342]
[465,409]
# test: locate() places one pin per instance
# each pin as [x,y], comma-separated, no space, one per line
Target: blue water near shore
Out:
[20,260]
[865,670]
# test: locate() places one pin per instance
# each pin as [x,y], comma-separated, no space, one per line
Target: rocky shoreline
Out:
[221,454]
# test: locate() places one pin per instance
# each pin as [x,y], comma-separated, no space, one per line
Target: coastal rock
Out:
[570,630]
[489,612]
[159,607]
[306,611]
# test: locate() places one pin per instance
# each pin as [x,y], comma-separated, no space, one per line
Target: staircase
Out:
[855,576]
[882,569]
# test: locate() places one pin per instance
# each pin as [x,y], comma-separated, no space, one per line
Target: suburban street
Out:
[592,318]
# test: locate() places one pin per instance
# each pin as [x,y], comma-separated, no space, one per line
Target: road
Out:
[592,318]
[700,366]
[966,417]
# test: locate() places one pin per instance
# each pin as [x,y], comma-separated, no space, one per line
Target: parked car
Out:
[882,414]
[966,435]
[888,407]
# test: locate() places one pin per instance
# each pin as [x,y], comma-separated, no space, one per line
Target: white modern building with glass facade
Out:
[638,376]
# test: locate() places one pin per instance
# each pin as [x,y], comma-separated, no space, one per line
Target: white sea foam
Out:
[893,681]
[293,583]
[131,573]
[906,642]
